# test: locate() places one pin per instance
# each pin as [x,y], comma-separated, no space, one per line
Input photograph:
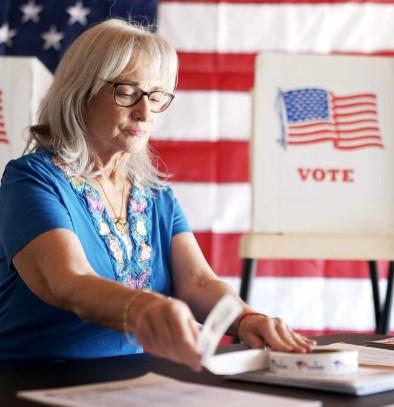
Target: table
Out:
[68,373]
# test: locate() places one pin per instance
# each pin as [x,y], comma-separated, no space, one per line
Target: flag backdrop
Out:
[203,138]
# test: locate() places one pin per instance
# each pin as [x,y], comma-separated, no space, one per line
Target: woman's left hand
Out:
[259,330]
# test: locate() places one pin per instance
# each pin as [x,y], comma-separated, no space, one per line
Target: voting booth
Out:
[322,164]
[23,83]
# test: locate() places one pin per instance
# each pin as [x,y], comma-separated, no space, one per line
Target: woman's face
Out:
[114,129]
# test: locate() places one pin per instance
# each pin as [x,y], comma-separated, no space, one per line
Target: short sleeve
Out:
[180,223]
[30,205]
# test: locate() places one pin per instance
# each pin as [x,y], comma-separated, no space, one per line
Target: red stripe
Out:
[221,251]
[204,161]
[207,71]
[228,71]
[276,1]
[319,332]
[228,340]
[4,140]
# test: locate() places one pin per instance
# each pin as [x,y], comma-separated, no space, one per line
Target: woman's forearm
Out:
[207,294]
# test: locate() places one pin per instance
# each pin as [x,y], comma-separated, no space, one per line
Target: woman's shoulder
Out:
[163,193]
[165,199]
[30,160]
[37,164]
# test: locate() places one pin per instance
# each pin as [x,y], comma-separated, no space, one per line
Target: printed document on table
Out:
[368,356]
[157,391]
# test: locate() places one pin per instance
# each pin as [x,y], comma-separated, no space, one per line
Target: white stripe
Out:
[222,208]
[355,127]
[315,303]
[206,116]
[349,139]
[366,102]
[288,27]
[356,110]
[303,135]
[358,143]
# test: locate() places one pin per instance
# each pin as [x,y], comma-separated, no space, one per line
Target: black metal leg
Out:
[374,277]
[248,271]
[386,312]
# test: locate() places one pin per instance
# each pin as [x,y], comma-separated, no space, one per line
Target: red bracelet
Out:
[250,314]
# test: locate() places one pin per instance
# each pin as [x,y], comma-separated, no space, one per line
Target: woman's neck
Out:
[112,168]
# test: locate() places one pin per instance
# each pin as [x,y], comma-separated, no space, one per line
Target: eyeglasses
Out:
[127,95]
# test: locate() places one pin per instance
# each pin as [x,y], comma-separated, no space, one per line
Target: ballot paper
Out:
[364,381]
[387,343]
[157,391]
[368,356]
[375,374]
[252,365]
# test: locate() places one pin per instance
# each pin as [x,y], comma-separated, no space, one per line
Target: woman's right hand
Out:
[166,328]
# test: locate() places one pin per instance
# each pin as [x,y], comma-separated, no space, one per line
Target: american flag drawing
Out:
[314,115]
[3,132]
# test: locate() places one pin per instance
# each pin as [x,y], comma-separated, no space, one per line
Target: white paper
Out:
[364,381]
[368,355]
[157,391]
[249,360]
[238,362]
[222,315]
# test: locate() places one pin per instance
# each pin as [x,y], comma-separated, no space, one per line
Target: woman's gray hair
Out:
[100,54]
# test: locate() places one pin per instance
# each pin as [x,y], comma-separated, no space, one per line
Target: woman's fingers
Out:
[167,329]
[253,340]
[274,337]
[182,334]
[261,326]
[258,330]
[298,342]
[303,340]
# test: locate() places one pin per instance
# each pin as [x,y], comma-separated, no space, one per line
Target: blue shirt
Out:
[37,194]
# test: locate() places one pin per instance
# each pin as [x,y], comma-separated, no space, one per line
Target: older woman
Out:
[92,240]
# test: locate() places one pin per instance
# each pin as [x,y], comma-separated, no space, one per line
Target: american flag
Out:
[44,28]
[314,115]
[3,132]
[204,138]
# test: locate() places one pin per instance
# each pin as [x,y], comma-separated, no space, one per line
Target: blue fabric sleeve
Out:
[30,204]
[180,223]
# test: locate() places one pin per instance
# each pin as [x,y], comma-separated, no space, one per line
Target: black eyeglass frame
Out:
[143,93]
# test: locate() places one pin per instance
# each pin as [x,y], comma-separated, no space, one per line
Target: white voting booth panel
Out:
[322,174]
[323,145]
[23,83]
